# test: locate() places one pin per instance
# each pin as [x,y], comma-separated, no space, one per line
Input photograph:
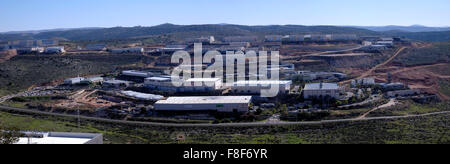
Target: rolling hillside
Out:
[183,31]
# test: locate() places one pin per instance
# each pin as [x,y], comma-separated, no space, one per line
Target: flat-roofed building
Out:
[364,81]
[60,138]
[202,85]
[54,50]
[190,85]
[73,81]
[160,83]
[255,87]
[317,90]
[92,80]
[205,103]
[135,73]
[96,47]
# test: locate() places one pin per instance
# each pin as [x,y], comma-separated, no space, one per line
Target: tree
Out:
[8,135]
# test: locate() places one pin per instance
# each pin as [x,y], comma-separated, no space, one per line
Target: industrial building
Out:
[364,81]
[30,50]
[385,43]
[73,81]
[317,90]
[255,87]
[205,103]
[32,43]
[311,76]
[55,50]
[134,73]
[160,83]
[96,47]
[60,138]
[190,85]
[142,96]
[92,80]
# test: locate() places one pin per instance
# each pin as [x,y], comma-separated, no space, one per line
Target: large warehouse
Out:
[205,103]
[321,90]
[255,87]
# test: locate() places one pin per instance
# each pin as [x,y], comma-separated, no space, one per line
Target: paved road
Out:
[252,124]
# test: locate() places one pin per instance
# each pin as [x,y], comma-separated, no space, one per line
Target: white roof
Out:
[263,82]
[203,80]
[321,86]
[142,96]
[159,78]
[53,140]
[206,100]
[56,138]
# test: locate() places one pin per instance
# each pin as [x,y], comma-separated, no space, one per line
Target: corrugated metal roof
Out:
[206,100]
[262,82]
[321,86]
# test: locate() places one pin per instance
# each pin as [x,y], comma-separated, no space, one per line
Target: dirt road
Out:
[369,72]
[391,102]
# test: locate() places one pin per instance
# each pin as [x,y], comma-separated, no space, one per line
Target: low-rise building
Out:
[92,80]
[60,138]
[364,81]
[142,96]
[96,47]
[205,103]
[160,83]
[255,87]
[318,90]
[73,81]
[54,50]
[30,50]
[135,73]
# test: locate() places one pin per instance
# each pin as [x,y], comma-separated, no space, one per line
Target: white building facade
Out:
[205,103]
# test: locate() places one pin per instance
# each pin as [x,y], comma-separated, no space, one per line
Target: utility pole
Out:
[78,115]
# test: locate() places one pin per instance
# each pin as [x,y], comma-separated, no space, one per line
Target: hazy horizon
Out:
[35,15]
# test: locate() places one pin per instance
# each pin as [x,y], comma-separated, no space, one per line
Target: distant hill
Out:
[181,32]
[184,31]
[414,28]
[48,30]
[438,36]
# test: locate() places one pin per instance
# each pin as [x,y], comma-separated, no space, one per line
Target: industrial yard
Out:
[322,77]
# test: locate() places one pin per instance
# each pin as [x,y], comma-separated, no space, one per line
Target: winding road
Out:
[252,124]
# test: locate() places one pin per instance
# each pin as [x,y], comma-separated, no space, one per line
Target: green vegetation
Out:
[438,52]
[444,87]
[411,108]
[429,129]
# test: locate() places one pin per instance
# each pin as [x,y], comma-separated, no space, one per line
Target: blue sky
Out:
[17,15]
